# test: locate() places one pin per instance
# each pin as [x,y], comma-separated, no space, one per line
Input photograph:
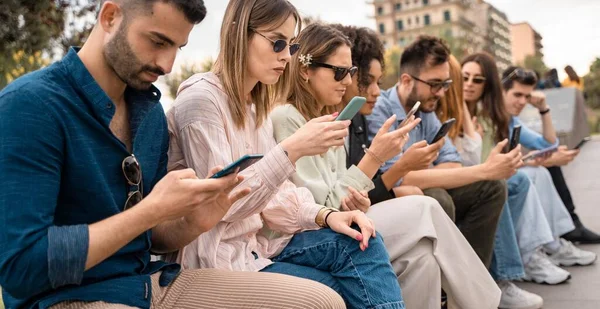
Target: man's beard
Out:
[428,104]
[127,66]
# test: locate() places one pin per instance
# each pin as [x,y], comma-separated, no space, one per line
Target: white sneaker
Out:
[569,255]
[515,298]
[541,270]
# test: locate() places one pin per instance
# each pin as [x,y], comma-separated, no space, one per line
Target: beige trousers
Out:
[428,253]
[212,288]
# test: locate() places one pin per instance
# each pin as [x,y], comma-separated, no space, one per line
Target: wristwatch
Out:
[545,111]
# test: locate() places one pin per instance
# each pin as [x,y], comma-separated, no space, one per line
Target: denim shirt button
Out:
[109,105]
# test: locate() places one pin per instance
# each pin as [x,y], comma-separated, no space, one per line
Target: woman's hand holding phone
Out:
[388,144]
[316,137]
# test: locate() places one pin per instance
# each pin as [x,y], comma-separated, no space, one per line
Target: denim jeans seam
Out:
[364,290]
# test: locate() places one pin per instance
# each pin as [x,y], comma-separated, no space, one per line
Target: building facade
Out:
[525,42]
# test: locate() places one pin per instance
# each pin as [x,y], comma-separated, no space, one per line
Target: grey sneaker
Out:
[569,255]
[541,270]
[514,297]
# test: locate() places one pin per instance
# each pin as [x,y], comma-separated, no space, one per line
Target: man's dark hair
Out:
[517,74]
[366,46]
[425,51]
[194,10]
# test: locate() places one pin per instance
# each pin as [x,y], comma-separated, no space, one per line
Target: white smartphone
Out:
[411,112]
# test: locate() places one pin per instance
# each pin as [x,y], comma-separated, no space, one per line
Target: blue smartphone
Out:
[241,163]
[352,108]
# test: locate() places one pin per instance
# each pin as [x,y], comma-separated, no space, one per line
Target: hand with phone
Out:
[201,202]
[316,137]
[352,108]
[388,144]
[238,166]
[561,157]
[420,155]
[502,165]
[515,138]
[444,129]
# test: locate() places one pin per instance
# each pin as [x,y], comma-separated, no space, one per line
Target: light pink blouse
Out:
[203,135]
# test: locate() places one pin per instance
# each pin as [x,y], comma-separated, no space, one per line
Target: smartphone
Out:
[516,136]
[443,130]
[583,141]
[352,108]
[540,153]
[241,163]
[410,113]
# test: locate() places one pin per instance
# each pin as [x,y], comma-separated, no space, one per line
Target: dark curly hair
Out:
[366,46]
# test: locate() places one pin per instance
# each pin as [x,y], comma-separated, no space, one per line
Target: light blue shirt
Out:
[389,104]
[529,139]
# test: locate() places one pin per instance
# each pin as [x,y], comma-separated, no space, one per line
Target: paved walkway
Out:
[583,290]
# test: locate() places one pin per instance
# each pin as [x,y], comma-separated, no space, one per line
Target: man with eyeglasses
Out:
[84,193]
[472,196]
[519,85]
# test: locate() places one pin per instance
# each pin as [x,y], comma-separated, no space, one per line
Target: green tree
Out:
[186,70]
[591,82]
[535,63]
[392,67]
[39,28]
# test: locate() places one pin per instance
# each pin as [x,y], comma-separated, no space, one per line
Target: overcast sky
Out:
[570,34]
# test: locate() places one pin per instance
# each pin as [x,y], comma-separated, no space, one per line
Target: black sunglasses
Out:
[133,174]
[279,45]
[476,79]
[339,73]
[520,74]
[435,86]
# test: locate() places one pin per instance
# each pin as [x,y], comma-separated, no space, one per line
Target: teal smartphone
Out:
[352,108]
[241,163]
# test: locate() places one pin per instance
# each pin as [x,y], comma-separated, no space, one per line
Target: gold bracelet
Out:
[320,218]
[369,152]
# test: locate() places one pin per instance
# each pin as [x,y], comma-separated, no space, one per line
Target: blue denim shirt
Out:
[388,104]
[529,139]
[60,168]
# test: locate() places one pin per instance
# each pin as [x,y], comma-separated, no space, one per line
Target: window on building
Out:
[398,6]
[382,28]
[399,25]
[426,20]
[446,15]
[409,21]
[407,2]
[416,1]
[425,2]
[417,20]
[380,10]
[402,42]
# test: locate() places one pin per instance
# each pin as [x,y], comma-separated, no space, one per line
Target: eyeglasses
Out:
[133,174]
[475,79]
[280,45]
[435,87]
[526,76]
[339,73]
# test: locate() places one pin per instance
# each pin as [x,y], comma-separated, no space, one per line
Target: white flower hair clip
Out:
[306,60]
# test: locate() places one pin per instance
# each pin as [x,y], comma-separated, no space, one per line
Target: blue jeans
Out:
[363,279]
[506,261]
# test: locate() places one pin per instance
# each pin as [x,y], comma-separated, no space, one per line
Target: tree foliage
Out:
[392,67]
[186,70]
[535,63]
[41,29]
[592,85]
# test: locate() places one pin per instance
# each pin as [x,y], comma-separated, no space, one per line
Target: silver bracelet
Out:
[367,151]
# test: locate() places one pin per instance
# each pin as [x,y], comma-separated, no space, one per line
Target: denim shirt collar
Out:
[140,102]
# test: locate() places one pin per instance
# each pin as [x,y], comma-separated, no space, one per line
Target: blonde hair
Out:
[320,41]
[451,104]
[241,16]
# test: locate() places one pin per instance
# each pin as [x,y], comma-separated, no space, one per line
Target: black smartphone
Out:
[516,136]
[241,163]
[583,141]
[443,130]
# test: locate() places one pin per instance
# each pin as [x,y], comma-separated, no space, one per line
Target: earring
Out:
[306,80]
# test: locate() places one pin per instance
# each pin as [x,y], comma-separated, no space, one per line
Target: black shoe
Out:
[582,235]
